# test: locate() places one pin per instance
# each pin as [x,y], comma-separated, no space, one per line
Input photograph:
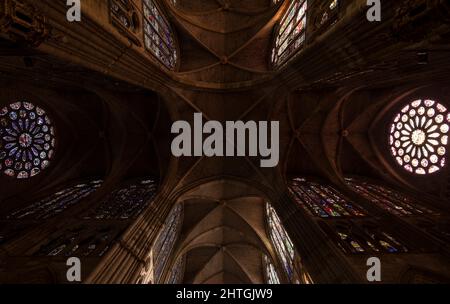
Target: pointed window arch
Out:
[284,247]
[159,37]
[291,34]
[271,275]
[165,242]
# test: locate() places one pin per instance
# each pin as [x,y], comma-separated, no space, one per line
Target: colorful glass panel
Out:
[165,242]
[158,36]
[323,200]
[56,203]
[292,32]
[419,137]
[282,243]
[270,271]
[27,140]
[388,199]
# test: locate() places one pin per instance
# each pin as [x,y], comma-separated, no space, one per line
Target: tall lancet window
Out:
[271,275]
[56,203]
[323,200]
[165,242]
[27,140]
[284,248]
[393,201]
[419,137]
[291,33]
[158,35]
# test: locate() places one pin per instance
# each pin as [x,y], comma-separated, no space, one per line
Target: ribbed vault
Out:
[223,237]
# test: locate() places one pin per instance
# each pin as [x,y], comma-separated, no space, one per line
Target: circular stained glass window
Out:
[27,140]
[419,137]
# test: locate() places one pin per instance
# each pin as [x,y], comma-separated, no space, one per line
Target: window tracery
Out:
[291,34]
[27,140]
[323,200]
[419,137]
[165,242]
[158,35]
[389,199]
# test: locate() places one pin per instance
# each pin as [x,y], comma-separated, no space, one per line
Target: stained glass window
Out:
[323,200]
[158,35]
[292,32]
[56,203]
[27,140]
[165,242]
[177,272]
[365,240]
[350,243]
[388,199]
[80,241]
[283,246]
[270,271]
[127,202]
[419,137]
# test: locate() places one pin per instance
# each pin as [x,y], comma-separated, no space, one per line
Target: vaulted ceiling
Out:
[334,101]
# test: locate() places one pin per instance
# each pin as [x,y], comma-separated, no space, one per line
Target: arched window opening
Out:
[323,200]
[165,242]
[286,252]
[127,202]
[158,35]
[27,140]
[393,201]
[419,137]
[270,273]
[291,33]
[96,233]
[56,203]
